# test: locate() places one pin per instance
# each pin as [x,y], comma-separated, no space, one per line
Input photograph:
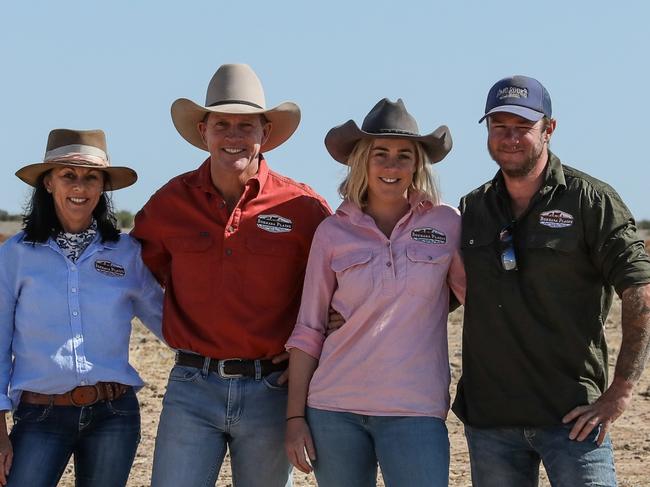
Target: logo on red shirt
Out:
[274,223]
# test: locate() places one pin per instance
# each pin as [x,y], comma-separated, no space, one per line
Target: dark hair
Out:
[40,221]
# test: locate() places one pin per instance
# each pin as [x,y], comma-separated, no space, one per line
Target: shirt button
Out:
[388,244]
[228,251]
[230,229]
[74,289]
[471,241]
[75,313]
[83,382]
[73,268]
[388,264]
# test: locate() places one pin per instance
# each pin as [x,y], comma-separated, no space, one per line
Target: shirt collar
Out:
[202,179]
[418,202]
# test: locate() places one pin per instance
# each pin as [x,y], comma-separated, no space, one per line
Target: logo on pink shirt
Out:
[428,235]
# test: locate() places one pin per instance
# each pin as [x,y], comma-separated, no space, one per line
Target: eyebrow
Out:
[386,149]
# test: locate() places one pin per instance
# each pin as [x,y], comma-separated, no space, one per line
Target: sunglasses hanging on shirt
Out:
[508,255]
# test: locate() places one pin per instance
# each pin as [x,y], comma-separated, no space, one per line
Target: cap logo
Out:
[512,92]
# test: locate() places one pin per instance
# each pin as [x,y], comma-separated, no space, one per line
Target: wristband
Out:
[294,417]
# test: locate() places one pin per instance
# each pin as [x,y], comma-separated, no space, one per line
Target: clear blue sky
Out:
[118,65]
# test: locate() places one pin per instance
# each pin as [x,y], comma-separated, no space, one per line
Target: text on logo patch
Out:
[108,268]
[512,92]
[428,235]
[274,223]
[555,219]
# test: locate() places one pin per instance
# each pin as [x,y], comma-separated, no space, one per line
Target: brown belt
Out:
[232,368]
[79,396]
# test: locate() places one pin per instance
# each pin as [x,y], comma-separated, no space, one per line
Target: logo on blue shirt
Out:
[108,268]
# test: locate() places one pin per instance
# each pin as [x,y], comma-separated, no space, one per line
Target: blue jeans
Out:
[412,451]
[509,457]
[204,414]
[103,439]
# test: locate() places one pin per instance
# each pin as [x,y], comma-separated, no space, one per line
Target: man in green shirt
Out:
[545,246]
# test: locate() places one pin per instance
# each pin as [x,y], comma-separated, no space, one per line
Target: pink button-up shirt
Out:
[390,357]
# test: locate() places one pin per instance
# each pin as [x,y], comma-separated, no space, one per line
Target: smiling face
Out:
[234,141]
[391,165]
[75,191]
[518,145]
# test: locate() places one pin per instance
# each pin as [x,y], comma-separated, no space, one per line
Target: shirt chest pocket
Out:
[354,275]
[193,267]
[426,271]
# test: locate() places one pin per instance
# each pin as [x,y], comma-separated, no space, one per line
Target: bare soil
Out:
[631,433]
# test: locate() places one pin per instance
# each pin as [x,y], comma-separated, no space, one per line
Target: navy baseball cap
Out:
[520,95]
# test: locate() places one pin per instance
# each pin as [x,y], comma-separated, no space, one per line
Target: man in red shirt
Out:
[229,241]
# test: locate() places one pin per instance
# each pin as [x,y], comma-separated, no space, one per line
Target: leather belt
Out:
[79,396]
[230,368]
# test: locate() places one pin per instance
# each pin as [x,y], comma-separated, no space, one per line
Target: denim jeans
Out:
[510,457]
[204,414]
[103,439]
[412,451]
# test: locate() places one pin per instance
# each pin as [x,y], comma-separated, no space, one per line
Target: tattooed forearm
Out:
[635,346]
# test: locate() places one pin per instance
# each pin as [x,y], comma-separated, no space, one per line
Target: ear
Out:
[201,127]
[550,128]
[266,131]
[47,182]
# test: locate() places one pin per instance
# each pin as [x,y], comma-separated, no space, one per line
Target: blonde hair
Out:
[355,185]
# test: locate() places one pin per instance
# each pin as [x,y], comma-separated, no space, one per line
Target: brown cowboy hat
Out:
[387,119]
[78,148]
[235,88]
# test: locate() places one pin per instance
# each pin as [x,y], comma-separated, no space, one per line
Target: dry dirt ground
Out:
[631,434]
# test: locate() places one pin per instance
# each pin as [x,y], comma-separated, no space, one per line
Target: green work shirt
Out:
[533,338]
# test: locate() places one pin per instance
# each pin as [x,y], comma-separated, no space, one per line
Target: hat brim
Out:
[284,118]
[340,141]
[118,176]
[524,112]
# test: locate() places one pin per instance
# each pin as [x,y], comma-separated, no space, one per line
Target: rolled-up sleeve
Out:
[456,278]
[320,283]
[616,248]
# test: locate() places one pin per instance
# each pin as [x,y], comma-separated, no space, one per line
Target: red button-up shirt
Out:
[232,281]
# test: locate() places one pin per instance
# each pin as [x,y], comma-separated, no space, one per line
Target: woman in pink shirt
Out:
[377,389]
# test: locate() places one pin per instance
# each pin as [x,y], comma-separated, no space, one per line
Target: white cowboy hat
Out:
[235,88]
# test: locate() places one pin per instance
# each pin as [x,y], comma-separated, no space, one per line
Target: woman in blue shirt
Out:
[70,283]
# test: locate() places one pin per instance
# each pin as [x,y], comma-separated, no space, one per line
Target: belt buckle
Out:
[81,402]
[223,374]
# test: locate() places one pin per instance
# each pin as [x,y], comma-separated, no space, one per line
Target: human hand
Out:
[297,440]
[607,409]
[6,456]
[284,377]
[335,322]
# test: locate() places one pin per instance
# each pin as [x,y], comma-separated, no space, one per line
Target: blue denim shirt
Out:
[63,324]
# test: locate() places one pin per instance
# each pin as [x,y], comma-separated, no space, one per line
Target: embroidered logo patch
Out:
[110,269]
[274,223]
[555,219]
[512,92]
[428,235]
